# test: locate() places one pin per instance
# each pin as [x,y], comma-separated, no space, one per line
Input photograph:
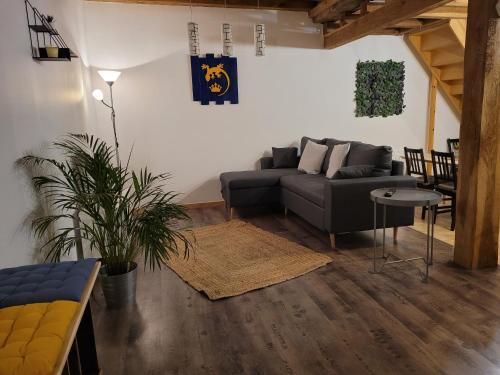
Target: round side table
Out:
[405,197]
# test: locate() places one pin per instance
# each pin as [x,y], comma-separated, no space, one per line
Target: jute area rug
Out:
[233,258]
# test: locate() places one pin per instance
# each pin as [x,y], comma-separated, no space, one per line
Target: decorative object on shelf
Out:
[125,216]
[215,79]
[194,39]
[46,43]
[227,40]
[379,88]
[110,77]
[260,39]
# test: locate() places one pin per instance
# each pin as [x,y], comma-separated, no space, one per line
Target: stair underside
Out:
[441,51]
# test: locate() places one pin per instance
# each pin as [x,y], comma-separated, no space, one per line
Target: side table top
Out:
[406,197]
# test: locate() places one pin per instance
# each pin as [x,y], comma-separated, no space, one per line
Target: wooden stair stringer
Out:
[434,54]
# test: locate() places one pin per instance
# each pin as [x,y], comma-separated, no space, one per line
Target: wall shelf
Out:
[43,29]
[43,35]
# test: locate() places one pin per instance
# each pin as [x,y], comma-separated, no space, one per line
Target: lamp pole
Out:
[109,76]
[113,119]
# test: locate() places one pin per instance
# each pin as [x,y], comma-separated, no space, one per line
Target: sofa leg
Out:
[395,234]
[286,211]
[229,212]
[332,241]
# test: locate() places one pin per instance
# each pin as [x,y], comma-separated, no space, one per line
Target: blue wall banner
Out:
[215,79]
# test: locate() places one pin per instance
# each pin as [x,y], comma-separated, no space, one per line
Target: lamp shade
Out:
[97,94]
[109,76]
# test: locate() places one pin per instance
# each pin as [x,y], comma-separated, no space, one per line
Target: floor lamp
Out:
[110,77]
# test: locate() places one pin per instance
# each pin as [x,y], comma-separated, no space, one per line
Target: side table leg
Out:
[383,231]
[434,209]
[427,259]
[374,236]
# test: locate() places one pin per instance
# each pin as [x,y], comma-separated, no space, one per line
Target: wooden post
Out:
[478,198]
[431,120]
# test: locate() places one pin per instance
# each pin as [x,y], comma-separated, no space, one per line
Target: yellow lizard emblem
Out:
[216,72]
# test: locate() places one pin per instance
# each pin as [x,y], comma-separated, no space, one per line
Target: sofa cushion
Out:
[366,154]
[285,157]
[355,171]
[337,159]
[303,143]
[308,186]
[330,142]
[254,179]
[312,158]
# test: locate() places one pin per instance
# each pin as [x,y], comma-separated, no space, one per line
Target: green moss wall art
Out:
[379,88]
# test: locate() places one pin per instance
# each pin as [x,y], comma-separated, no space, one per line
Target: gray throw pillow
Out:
[366,154]
[312,158]
[285,157]
[304,140]
[331,142]
[355,171]
[337,159]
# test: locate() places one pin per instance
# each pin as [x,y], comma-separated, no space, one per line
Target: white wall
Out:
[297,89]
[38,102]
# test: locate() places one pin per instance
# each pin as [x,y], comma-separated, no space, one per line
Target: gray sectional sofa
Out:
[332,205]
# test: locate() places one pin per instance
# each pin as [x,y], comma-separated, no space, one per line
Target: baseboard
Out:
[204,204]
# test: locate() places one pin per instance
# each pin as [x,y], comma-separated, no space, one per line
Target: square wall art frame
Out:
[379,88]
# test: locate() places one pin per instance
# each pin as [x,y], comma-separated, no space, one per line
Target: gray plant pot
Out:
[119,290]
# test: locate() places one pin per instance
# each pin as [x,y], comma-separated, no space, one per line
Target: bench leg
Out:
[395,234]
[85,342]
[332,241]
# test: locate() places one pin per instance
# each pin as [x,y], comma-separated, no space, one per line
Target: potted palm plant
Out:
[123,215]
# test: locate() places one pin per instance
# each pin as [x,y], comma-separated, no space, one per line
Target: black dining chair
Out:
[415,166]
[453,144]
[445,180]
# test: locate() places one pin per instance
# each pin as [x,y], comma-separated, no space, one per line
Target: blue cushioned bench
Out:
[44,282]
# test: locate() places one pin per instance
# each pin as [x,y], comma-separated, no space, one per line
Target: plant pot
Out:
[52,52]
[119,290]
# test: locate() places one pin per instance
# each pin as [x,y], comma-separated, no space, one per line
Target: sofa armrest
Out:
[266,162]
[348,207]
[398,168]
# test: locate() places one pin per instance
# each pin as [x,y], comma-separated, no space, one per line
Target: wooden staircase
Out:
[441,50]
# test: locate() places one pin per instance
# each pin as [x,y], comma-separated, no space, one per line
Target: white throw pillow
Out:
[312,158]
[337,159]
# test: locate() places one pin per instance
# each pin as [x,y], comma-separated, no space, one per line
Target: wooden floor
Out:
[339,319]
[442,229]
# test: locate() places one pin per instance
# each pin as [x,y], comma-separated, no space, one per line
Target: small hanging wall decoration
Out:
[227,40]
[260,39]
[215,79]
[194,39]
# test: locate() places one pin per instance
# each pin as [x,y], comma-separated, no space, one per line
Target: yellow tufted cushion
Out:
[31,336]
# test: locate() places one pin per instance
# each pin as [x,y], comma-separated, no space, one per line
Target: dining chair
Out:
[445,180]
[453,144]
[415,166]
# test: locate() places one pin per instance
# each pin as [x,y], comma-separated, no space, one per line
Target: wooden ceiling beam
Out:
[450,12]
[291,5]
[395,11]
[329,10]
